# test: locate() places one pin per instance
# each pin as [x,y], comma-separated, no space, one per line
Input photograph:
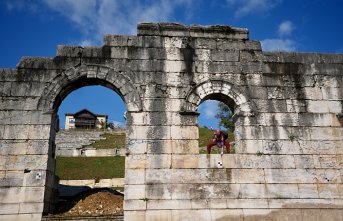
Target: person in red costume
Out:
[219,139]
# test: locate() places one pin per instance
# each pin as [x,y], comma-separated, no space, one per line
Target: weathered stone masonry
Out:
[289,136]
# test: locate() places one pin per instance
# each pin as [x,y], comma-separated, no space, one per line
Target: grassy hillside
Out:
[79,168]
[113,140]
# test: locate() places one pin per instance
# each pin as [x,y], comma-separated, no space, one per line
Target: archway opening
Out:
[216,113]
[89,149]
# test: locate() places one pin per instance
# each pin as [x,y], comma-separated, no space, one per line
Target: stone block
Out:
[315,119]
[199,215]
[133,118]
[227,214]
[185,161]
[151,132]
[178,119]
[5,89]
[123,41]
[31,207]
[158,176]
[308,190]
[217,203]
[201,191]
[69,51]
[174,66]
[199,203]
[16,132]
[247,203]
[302,175]
[136,146]
[39,132]
[271,132]
[12,147]
[22,194]
[185,146]
[325,133]
[173,105]
[301,203]
[184,132]
[121,52]
[158,191]
[224,55]
[246,175]
[270,106]
[134,205]
[330,214]
[158,118]
[304,162]
[329,191]
[158,215]
[19,103]
[135,192]
[158,161]
[136,161]
[9,208]
[38,147]
[135,216]
[317,106]
[328,162]
[311,93]
[177,54]
[296,106]
[168,204]
[159,147]
[280,119]
[174,42]
[272,214]
[22,217]
[269,191]
[134,176]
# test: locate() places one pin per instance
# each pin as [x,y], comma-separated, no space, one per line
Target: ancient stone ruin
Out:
[288,163]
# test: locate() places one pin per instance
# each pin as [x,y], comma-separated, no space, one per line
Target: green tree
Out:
[225,117]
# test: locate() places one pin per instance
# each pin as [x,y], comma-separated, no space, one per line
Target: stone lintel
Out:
[180,30]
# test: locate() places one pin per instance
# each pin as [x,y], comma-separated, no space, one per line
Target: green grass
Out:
[205,136]
[113,140]
[80,168]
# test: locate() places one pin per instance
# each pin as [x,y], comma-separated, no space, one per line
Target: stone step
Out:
[83,218]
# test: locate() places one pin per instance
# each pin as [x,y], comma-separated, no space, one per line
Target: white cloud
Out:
[286,28]
[18,5]
[278,45]
[209,108]
[94,18]
[245,7]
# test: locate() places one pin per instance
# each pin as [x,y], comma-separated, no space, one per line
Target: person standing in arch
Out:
[219,139]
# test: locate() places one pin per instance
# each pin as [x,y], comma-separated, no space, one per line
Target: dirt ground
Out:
[94,202]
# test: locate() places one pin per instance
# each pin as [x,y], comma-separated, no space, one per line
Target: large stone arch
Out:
[220,90]
[63,84]
[74,78]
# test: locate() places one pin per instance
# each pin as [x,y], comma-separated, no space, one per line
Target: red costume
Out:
[219,138]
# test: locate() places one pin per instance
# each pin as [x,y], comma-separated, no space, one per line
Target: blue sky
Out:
[36,27]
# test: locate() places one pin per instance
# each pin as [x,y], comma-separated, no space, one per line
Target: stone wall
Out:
[71,142]
[75,143]
[289,136]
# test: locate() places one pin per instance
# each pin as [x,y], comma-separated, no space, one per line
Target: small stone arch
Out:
[223,91]
[86,75]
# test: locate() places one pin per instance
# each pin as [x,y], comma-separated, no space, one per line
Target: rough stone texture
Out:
[288,109]
[74,143]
